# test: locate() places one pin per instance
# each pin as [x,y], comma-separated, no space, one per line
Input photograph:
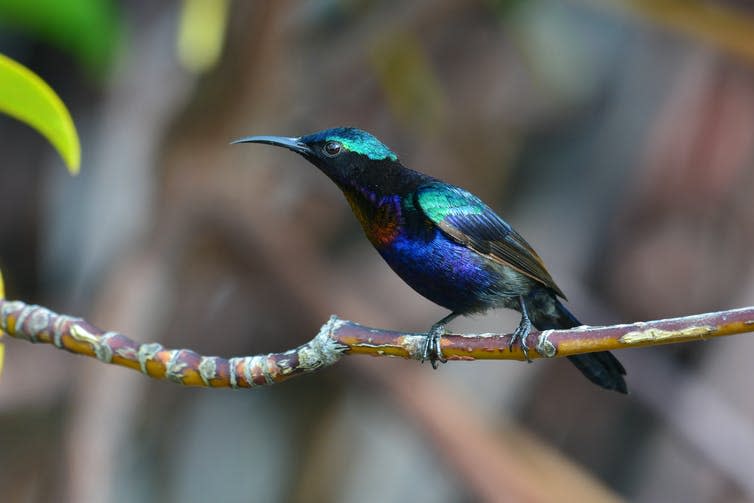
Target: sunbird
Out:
[444,242]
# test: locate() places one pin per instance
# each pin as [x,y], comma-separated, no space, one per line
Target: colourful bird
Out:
[444,242]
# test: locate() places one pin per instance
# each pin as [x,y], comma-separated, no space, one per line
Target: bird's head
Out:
[341,153]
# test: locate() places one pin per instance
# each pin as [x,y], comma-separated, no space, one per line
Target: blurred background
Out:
[616,135]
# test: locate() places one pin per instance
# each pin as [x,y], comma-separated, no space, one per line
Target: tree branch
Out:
[338,337]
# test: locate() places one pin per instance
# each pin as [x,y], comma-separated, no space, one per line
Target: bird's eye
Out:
[332,148]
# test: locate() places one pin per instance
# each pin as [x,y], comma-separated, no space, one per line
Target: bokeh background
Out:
[616,135]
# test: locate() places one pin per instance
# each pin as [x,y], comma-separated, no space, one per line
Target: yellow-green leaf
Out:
[201,33]
[25,96]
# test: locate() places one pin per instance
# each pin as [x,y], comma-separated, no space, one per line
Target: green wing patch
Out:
[471,223]
[439,202]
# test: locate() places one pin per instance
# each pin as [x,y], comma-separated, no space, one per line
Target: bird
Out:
[444,242]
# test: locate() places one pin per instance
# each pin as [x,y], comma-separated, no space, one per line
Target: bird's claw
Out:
[432,349]
[520,335]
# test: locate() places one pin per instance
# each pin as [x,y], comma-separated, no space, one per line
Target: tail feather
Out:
[602,368]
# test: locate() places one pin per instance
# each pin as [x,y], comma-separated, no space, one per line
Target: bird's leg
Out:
[522,330]
[432,349]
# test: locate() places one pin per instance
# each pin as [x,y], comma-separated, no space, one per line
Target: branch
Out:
[338,337]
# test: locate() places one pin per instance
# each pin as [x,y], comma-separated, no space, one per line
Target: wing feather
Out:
[470,222]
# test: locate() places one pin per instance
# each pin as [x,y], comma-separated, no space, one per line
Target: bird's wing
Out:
[470,222]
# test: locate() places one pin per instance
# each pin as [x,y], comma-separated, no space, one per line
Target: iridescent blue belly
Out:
[452,275]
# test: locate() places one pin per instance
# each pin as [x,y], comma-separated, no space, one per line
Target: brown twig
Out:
[338,337]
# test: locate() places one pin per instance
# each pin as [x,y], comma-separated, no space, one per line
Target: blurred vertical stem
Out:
[201,33]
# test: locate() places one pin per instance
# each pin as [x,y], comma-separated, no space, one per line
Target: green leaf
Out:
[89,30]
[28,98]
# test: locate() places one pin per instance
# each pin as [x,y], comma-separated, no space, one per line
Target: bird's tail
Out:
[602,368]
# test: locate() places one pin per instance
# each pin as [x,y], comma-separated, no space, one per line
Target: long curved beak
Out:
[279,141]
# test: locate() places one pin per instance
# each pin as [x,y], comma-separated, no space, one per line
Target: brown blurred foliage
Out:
[619,141]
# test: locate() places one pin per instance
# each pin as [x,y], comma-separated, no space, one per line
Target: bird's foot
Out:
[520,335]
[432,349]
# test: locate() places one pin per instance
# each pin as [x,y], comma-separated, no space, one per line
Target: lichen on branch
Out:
[339,337]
